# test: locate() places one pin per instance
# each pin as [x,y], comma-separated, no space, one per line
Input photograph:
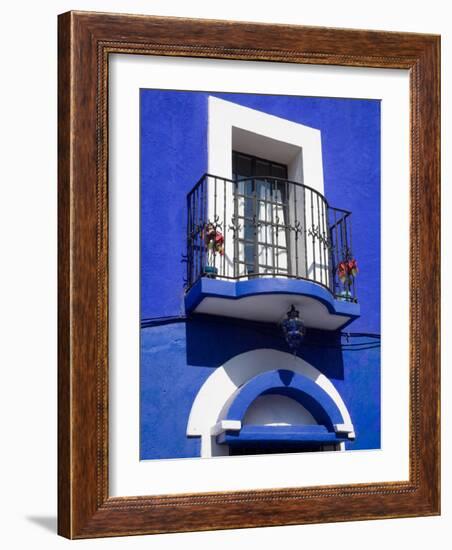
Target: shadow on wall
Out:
[211,341]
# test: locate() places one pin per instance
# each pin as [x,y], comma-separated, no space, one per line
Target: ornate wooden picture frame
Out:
[86,40]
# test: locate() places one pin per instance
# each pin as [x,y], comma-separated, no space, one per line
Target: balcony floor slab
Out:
[269,299]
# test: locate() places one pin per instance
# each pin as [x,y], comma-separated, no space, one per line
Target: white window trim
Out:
[234,127]
[294,144]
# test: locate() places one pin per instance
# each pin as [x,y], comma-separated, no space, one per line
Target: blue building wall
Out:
[177,357]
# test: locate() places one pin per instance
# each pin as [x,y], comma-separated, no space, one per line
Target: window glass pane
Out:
[262,168]
[279,171]
[244,166]
[265,255]
[262,249]
[281,259]
[241,270]
[245,187]
[263,189]
[248,231]
[249,207]
[279,192]
[249,253]
[264,233]
[278,214]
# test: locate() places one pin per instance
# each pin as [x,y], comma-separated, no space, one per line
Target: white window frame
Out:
[235,127]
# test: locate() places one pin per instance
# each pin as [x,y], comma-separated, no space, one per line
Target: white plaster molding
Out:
[221,385]
[271,308]
[224,425]
[261,134]
[343,428]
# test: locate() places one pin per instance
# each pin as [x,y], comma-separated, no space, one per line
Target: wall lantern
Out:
[293,329]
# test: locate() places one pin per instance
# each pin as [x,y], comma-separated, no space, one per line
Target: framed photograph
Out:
[248,275]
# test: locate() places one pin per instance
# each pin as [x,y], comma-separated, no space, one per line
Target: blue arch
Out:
[288,383]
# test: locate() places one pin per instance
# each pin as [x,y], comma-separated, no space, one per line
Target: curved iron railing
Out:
[267,227]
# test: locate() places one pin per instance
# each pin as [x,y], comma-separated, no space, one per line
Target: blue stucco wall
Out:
[176,358]
[173,157]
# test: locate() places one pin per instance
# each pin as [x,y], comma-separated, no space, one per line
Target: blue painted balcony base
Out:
[269,299]
[296,436]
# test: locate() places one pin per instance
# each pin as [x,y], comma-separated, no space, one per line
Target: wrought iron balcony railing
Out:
[268,227]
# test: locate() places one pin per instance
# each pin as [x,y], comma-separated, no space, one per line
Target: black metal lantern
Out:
[293,329]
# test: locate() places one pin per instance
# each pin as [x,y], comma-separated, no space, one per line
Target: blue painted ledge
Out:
[266,435]
[238,299]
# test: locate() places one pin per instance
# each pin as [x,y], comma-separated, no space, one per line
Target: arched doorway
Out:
[209,419]
[314,427]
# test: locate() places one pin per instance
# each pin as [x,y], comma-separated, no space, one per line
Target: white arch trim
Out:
[218,389]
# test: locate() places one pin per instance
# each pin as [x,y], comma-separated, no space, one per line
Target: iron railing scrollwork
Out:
[267,227]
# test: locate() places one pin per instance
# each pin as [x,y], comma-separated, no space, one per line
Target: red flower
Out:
[342,271]
[214,239]
[347,269]
[353,267]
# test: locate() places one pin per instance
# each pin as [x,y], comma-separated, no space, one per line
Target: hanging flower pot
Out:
[346,272]
[344,296]
[210,271]
[214,242]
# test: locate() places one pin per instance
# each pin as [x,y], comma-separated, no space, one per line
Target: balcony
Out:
[257,245]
